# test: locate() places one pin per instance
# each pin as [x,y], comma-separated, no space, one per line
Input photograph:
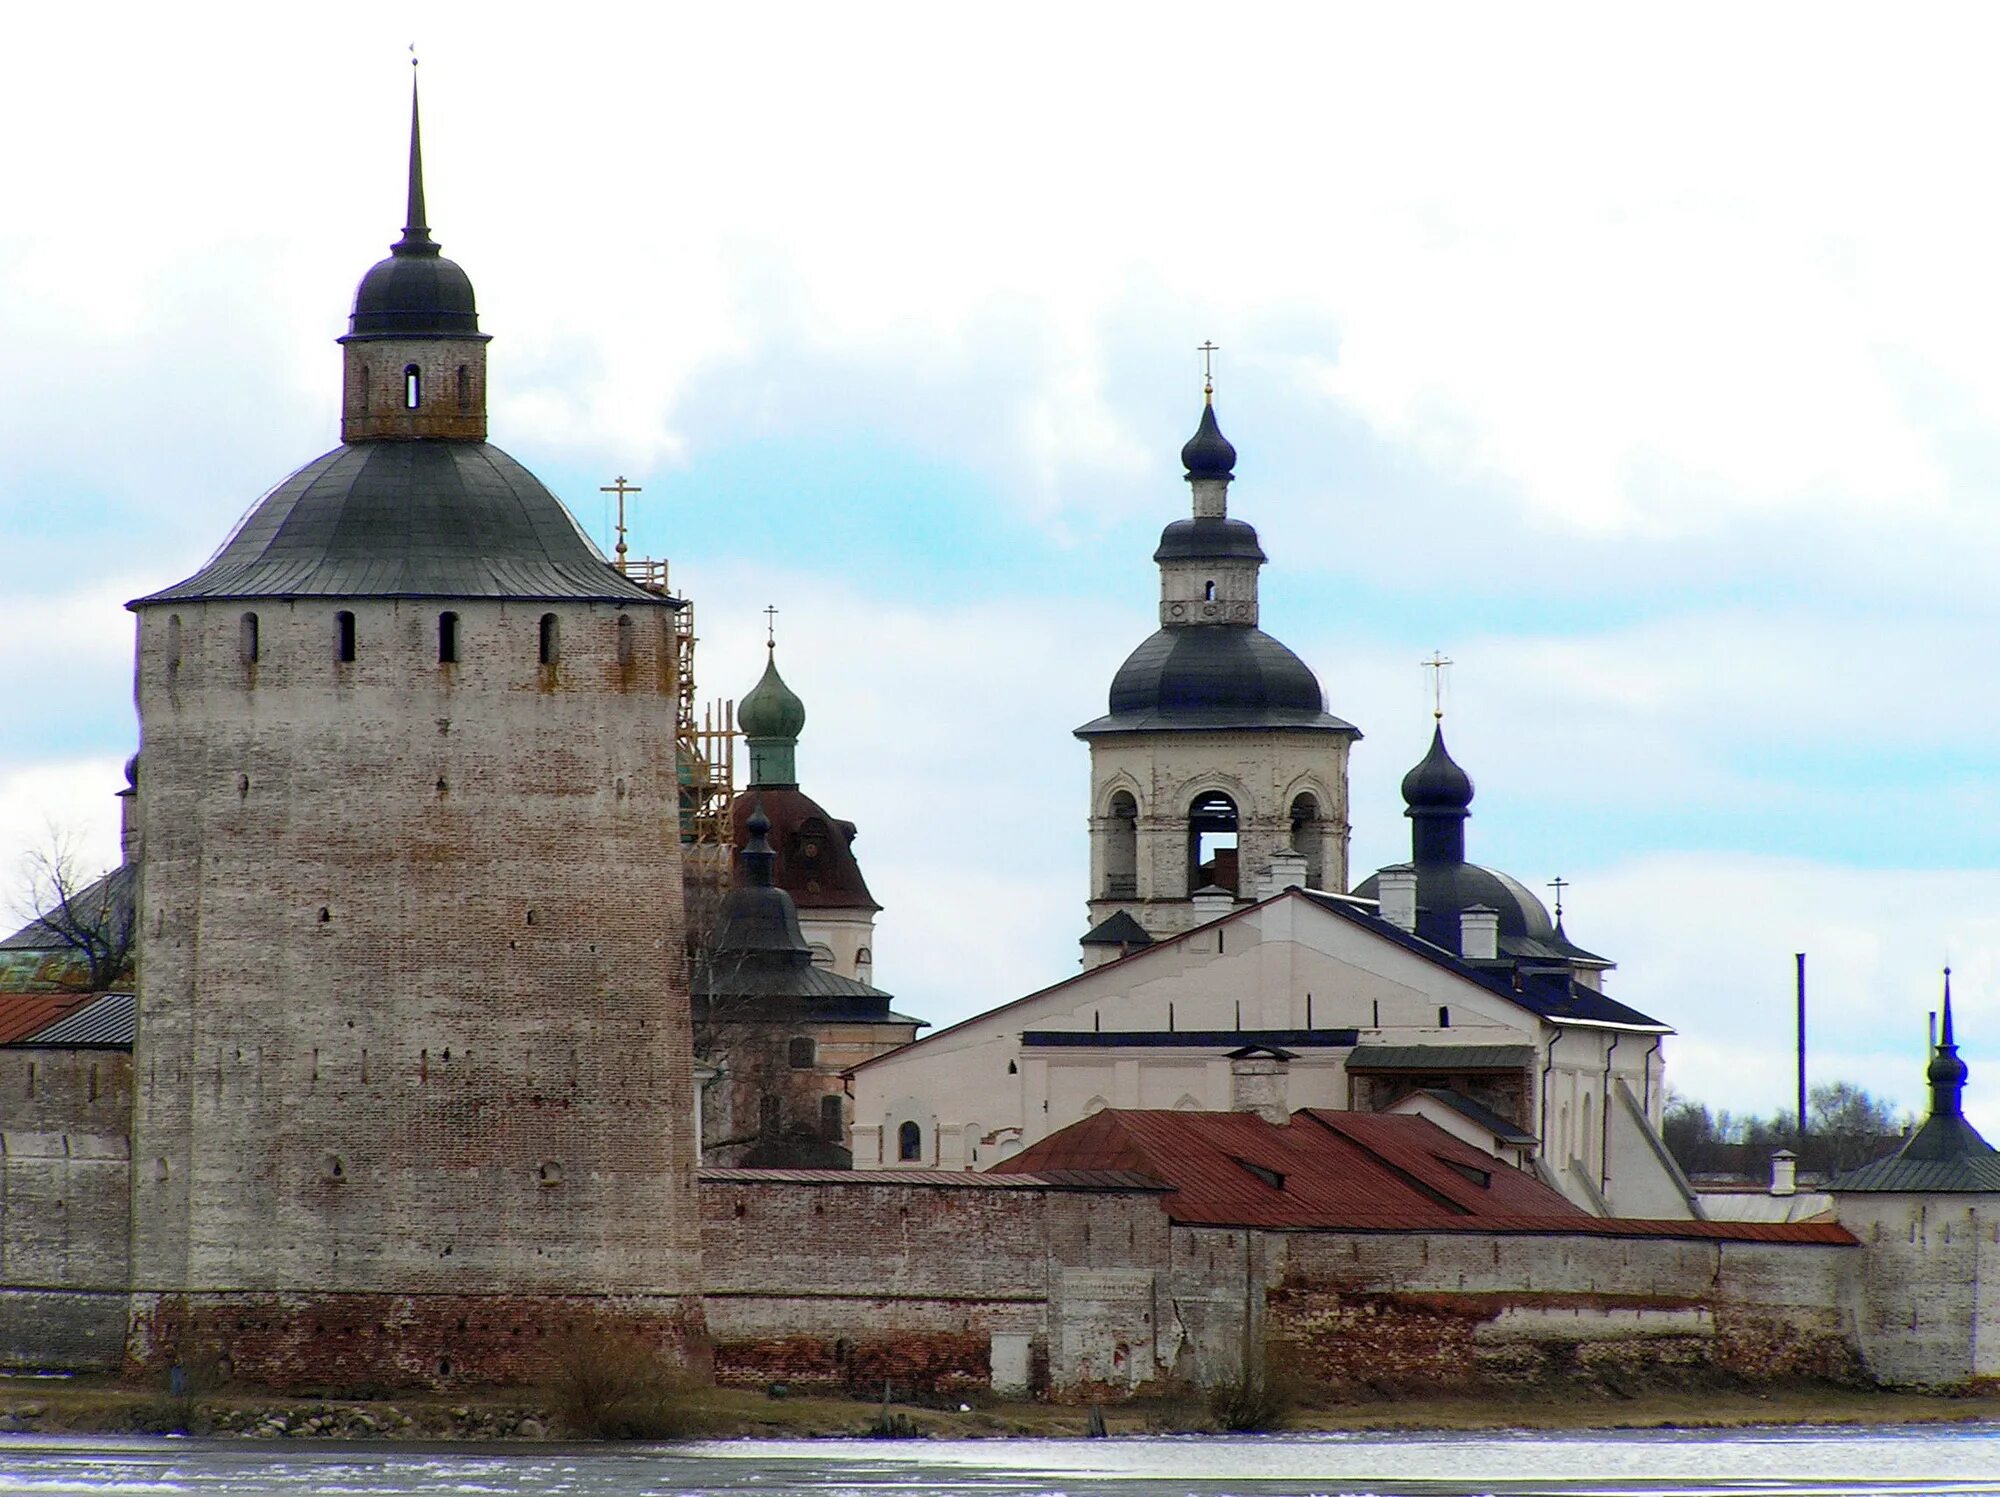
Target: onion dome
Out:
[1208,453]
[771,709]
[416,292]
[1437,785]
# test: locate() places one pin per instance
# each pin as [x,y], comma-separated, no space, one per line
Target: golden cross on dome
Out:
[771,627]
[1437,665]
[1207,352]
[621,488]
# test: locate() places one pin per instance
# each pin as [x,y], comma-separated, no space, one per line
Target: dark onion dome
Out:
[1437,784]
[1210,538]
[423,519]
[771,709]
[1208,453]
[1208,676]
[813,853]
[416,292]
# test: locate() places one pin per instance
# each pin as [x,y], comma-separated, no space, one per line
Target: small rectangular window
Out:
[551,639]
[343,637]
[247,636]
[447,639]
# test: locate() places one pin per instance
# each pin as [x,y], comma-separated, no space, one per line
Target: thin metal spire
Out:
[415,230]
[1945,1041]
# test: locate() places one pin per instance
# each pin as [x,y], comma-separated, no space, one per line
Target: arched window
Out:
[447,639]
[770,1112]
[832,1124]
[464,388]
[344,638]
[1307,839]
[1444,1017]
[969,1135]
[551,639]
[822,954]
[246,638]
[413,387]
[863,957]
[1208,592]
[1094,1106]
[1121,847]
[1212,842]
[801,1053]
[624,640]
[910,1144]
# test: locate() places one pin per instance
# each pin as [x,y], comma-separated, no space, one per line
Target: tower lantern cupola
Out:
[415,358]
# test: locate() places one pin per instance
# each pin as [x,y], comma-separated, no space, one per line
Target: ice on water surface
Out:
[1870,1462]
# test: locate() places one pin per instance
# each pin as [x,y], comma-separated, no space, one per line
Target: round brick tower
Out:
[412,1071]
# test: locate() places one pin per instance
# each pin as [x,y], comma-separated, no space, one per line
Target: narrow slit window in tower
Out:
[361,389]
[551,642]
[247,638]
[413,387]
[1212,843]
[625,640]
[447,639]
[464,388]
[832,1126]
[1208,592]
[343,637]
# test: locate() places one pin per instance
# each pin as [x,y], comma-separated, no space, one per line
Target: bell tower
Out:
[1217,768]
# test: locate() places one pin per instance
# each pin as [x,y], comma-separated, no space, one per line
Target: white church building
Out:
[1226,970]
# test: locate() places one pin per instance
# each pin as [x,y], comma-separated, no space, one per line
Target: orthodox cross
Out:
[771,627]
[1437,665]
[1559,883]
[1207,352]
[621,488]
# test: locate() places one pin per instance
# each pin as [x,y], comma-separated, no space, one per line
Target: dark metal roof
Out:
[1201,1039]
[1440,1057]
[1119,929]
[1507,1132]
[1208,676]
[416,292]
[1210,538]
[1555,996]
[1976,1174]
[420,519]
[111,1021]
[1947,1153]
[113,894]
[1208,453]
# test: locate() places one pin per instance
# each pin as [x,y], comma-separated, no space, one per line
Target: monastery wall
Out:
[1927,1300]
[939,1285]
[1440,1310]
[65,1189]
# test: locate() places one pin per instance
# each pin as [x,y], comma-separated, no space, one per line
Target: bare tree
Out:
[89,915]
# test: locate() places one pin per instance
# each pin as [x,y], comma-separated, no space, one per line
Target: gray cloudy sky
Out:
[1641,360]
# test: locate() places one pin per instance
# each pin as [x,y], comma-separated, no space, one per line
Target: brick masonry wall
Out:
[65,1191]
[840,1285]
[1393,1312]
[413,1013]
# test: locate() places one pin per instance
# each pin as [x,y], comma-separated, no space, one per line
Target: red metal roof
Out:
[21,1014]
[1346,1171]
[937,1179]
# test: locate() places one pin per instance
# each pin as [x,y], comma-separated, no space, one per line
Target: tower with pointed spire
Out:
[1217,765]
[814,852]
[1929,1214]
[412,1082]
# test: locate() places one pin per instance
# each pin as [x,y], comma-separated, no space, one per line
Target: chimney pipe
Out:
[1396,890]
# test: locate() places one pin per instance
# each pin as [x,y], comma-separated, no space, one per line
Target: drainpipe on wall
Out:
[1646,1085]
[1604,1121]
[1548,1066]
